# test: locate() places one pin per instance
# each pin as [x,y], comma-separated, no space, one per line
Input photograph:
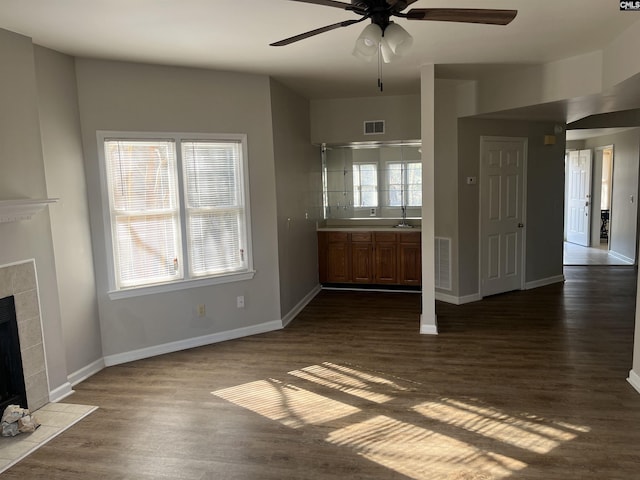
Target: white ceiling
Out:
[235,35]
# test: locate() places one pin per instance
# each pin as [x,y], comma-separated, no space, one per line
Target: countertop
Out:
[370,228]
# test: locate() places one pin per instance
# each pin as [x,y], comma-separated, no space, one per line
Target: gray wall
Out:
[624,212]
[136,97]
[299,195]
[575,144]
[341,120]
[23,176]
[446,170]
[64,168]
[545,198]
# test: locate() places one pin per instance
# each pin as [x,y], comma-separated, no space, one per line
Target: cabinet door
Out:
[338,270]
[410,264]
[386,262]
[362,262]
[323,240]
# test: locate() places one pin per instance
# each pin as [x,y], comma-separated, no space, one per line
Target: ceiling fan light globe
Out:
[387,53]
[366,46]
[360,56]
[397,39]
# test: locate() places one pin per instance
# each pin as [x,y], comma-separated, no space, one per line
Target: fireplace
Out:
[19,286]
[12,389]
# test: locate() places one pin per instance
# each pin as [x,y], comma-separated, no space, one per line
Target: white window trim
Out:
[386,203]
[186,283]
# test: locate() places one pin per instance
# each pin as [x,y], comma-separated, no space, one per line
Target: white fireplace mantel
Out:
[22,209]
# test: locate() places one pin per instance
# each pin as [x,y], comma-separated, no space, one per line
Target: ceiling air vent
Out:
[374,127]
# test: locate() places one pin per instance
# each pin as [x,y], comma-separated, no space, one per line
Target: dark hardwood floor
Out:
[525,385]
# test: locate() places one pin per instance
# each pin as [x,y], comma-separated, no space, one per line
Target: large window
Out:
[177,209]
[404,182]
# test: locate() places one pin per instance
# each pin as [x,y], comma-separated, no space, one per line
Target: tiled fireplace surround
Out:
[20,281]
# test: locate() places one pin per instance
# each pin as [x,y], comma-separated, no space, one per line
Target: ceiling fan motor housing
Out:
[379,11]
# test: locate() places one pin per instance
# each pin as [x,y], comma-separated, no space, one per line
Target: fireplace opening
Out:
[12,388]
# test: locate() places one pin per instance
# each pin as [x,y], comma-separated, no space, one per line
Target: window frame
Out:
[114,290]
[404,185]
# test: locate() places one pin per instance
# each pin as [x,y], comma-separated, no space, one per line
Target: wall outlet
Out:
[240,301]
[372,212]
[202,311]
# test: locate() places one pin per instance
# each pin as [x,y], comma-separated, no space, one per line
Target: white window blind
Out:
[214,207]
[144,211]
[176,208]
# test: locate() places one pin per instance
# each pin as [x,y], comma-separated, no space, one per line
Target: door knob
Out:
[521,225]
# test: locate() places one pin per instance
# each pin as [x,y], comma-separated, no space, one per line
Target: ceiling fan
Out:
[381,11]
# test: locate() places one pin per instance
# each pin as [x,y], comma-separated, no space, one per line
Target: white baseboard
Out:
[86,372]
[475,297]
[634,380]
[619,256]
[544,281]
[286,320]
[443,297]
[428,329]
[60,393]
[171,347]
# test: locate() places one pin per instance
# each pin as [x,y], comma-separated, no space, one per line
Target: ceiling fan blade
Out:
[317,31]
[401,4]
[466,15]
[328,3]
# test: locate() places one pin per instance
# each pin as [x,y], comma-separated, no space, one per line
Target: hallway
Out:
[574,254]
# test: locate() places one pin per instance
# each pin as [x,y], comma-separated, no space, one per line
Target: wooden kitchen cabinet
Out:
[362,268]
[410,258]
[370,257]
[386,255]
[335,257]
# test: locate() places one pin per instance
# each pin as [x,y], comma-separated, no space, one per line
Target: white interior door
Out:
[502,172]
[579,197]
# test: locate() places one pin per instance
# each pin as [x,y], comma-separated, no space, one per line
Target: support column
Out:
[634,374]
[428,321]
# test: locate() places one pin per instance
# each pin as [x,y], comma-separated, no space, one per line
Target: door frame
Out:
[523,256]
[600,150]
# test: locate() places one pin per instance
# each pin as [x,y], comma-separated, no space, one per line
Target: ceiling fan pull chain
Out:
[380,83]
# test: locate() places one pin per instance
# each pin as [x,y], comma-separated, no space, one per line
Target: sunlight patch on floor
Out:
[532,434]
[447,438]
[293,406]
[418,452]
[350,381]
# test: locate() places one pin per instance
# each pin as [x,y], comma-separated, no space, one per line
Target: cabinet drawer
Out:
[338,236]
[409,237]
[361,236]
[385,236]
